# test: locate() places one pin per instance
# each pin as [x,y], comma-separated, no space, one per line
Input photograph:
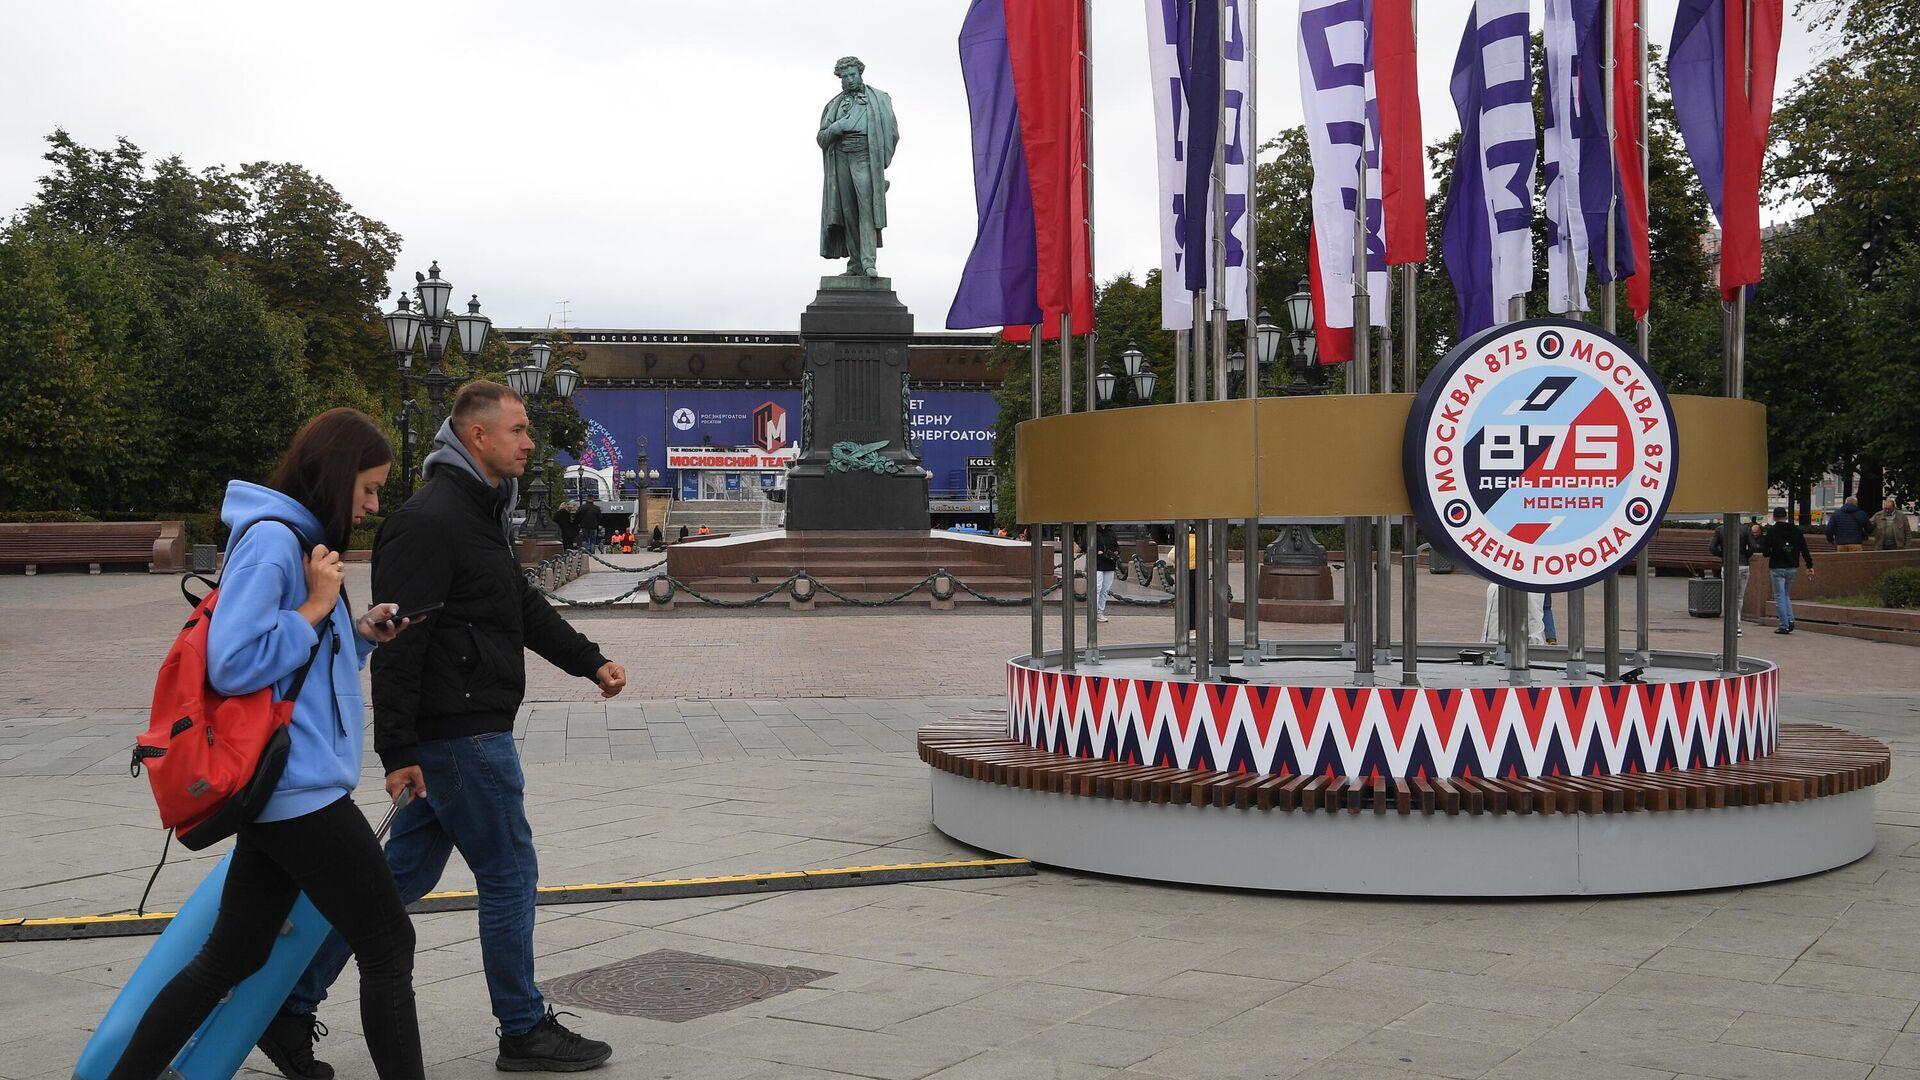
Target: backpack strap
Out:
[299,679]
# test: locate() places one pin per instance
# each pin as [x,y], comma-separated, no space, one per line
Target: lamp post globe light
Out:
[1139,381]
[430,329]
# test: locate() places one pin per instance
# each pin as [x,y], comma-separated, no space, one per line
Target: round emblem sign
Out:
[1541,453]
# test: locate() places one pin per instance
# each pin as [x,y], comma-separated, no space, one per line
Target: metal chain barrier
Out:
[677,586]
[617,568]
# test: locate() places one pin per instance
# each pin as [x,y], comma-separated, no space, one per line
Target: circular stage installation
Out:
[1465,786]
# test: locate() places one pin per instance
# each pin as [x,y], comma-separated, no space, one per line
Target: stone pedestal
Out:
[1296,583]
[856,469]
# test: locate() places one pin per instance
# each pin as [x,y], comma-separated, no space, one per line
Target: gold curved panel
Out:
[1310,457]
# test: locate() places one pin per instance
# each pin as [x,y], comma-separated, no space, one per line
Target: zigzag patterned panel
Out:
[1389,731]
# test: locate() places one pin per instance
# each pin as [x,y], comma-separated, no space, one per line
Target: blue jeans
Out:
[1782,585]
[1546,614]
[475,802]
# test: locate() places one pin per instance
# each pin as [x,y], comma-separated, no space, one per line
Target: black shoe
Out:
[549,1047]
[1783,629]
[289,1041]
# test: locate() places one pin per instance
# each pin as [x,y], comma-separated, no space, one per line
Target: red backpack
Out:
[212,760]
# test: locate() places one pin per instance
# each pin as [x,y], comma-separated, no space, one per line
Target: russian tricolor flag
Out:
[1721,62]
[1032,257]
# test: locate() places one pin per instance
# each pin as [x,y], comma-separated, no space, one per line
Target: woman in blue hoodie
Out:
[283,604]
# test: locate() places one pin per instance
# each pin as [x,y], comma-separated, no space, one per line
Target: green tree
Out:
[1843,145]
[234,389]
[75,326]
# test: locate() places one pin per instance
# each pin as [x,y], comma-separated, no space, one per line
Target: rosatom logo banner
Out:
[1541,454]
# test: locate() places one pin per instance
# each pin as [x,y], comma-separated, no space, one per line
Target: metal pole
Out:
[1177,557]
[1359,560]
[1735,380]
[1202,579]
[1409,535]
[1220,580]
[1066,528]
[1643,572]
[1383,525]
[1037,611]
[1091,389]
[1250,568]
[1518,604]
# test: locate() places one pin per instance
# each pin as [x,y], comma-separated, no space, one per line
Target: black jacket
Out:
[462,670]
[1786,547]
[589,519]
[1106,550]
[1746,543]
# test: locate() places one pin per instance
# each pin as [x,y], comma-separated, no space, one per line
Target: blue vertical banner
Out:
[1488,221]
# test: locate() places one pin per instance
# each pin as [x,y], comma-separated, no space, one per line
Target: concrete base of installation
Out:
[1410,855]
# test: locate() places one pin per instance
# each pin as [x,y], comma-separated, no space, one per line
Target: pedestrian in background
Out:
[569,526]
[1106,560]
[1786,549]
[1890,527]
[589,526]
[1746,551]
[1849,526]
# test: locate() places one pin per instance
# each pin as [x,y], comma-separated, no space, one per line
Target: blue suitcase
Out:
[237,1022]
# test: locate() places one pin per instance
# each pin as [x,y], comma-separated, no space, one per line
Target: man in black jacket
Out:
[590,526]
[1786,549]
[443,710]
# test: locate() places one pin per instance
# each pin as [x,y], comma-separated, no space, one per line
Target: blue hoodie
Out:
[258,639]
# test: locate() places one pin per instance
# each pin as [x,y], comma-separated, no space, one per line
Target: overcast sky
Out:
[651,162]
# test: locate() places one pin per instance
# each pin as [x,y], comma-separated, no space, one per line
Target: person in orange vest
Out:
[704,531]
[626,542]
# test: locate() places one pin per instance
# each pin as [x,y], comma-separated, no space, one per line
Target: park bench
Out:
[1688,549]
[160,546]
[1810,761]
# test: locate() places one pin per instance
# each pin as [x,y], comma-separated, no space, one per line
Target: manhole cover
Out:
[675,986]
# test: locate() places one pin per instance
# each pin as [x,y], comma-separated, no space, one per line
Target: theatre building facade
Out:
[713,416]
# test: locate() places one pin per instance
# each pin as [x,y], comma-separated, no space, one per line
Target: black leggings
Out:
[330,854]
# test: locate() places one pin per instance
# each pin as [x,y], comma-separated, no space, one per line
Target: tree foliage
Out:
[166,329]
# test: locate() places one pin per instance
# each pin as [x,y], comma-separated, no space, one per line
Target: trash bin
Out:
[1703,597]
[1438,563]
[206,558]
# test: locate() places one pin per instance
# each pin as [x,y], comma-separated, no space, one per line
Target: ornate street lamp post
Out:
[529,381]
[430,326]
[1295,546]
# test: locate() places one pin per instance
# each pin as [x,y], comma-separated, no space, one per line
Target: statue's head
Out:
[849,68]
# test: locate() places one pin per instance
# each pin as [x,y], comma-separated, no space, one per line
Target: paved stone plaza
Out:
[762,742]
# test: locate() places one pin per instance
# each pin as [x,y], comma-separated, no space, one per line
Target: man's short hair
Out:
[846,62]
[1779,513]
[479,396]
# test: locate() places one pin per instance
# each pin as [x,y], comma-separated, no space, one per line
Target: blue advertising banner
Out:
[769,419]
[948,427]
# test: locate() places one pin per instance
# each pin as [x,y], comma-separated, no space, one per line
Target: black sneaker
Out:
[549,1047]
[289,1041]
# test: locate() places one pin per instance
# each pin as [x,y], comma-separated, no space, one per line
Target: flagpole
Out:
[1576,664]
[1643,571]
[1735,379]
[1202,582]
[1250,565]
[1383,525]
[1359,568]
[1091,390]
[1219,579]
[1177,559]
[1409,536]
[1037,611]
[1066,528]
